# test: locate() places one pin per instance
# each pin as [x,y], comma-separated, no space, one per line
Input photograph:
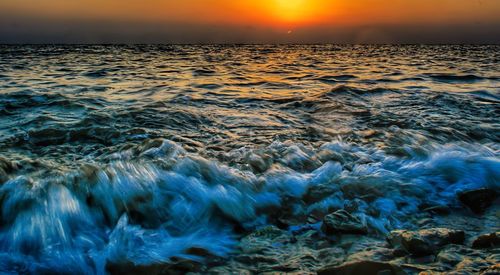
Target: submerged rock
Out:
[487,241]
[426,241]
[343,222]
[362,267]
[478,200]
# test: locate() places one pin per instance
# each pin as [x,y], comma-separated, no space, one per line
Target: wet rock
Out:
[209,258]
[331,256]
[450,256]
[288,219]
[420,269]
[453,255]
[328,155]
[263,238]
[3,176]
[299,159]
[291,265]
[318,193]
[492,270]
[423,222]
[343,222]
[258,163]
[177,266]
[472,266]
[6,167]
[228,270]
[198,251]
[487,241]
[256,259]
[90,172]
[270,249]
[494,256]
[438,209]
[310,238]
[478,200]
[358,243]
[422,260]
[362,267]
[269,232]
[286,273]
[426,241]
[151,143]
[368,133]
[368,191]
[378,254]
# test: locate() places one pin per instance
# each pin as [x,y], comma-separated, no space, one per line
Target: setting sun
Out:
[290,10]
[150,137]
[250,21]
[295,11]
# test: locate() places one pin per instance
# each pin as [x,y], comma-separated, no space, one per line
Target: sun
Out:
[290,10]
[294,11]
[288,13]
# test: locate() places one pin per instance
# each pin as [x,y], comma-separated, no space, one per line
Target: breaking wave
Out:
[115,157]
[158,201]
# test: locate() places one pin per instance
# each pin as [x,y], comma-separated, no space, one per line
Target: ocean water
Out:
[135,154]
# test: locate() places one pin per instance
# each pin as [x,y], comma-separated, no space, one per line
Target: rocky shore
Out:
[446,241]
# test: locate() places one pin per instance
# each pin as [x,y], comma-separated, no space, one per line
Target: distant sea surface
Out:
[137,154]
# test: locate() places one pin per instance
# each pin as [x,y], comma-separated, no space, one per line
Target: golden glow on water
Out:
[139,154]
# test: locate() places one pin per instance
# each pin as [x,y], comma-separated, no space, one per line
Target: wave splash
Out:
[157,202]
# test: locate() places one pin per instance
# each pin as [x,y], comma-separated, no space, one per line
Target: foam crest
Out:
[151,204]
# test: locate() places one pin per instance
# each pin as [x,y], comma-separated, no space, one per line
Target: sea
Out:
[140,154]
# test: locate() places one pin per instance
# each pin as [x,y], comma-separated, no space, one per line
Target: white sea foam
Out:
[146,210]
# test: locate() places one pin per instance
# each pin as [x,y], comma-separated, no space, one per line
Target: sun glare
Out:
[290,9]
[294,11]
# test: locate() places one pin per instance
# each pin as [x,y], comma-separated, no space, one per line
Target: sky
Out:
[249,21]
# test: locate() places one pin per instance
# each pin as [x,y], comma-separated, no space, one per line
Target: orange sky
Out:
[265,12]
[310,21]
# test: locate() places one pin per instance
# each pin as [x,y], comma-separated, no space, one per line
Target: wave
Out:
[486,96]
[453,78]
[194,153]
[203,72]
[335,78]
[354,91]
[17,101]
[157,201]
